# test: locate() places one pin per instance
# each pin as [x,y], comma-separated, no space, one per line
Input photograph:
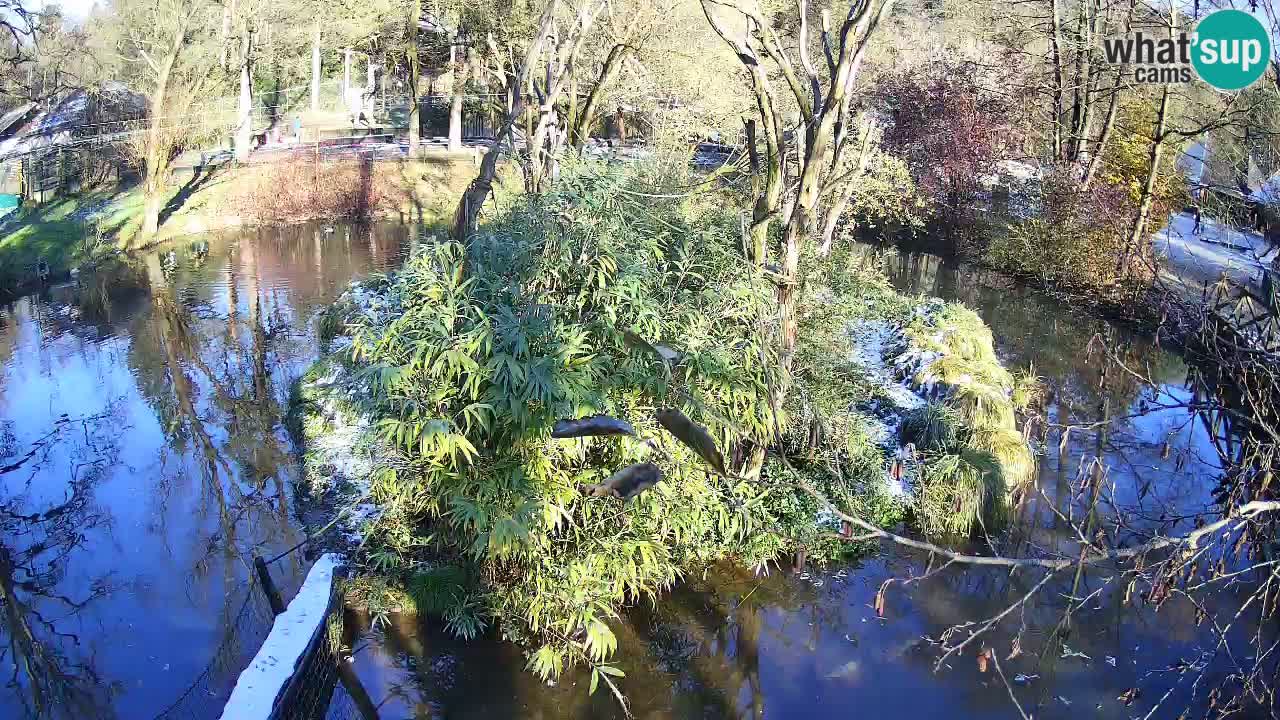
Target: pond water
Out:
[144,460]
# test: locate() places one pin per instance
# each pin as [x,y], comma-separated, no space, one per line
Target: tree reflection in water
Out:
[52,670]
[200,343]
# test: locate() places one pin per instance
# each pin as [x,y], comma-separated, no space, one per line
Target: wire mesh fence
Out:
[242,636]
[308,693]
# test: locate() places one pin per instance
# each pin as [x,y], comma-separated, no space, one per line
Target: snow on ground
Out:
[345,432]
[1269,193]
[344,453]
[1195,260]
[891,361]
[286,646]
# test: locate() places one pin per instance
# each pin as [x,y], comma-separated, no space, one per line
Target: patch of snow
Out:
[357,519]
[894,363]
[899,366]
[872,342]
[828,520]
[346,452]
[1020,171]
[1204,257]
[286,646]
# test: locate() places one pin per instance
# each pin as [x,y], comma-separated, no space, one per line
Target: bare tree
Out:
[822,92]
[550,54]
[413,29]
[626,41]
[160,46]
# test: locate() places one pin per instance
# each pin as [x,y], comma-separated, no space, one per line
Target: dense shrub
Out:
[1080,239]
[469,356]
[885,198]
[1077,240]
[950,125]
[602,297]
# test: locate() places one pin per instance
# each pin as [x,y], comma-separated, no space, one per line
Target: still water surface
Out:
[145,460]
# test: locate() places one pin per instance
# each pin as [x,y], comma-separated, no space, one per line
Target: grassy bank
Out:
[73,230]
[62,234]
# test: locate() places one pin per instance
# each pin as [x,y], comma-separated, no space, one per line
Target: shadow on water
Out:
[726,644]
[143,460]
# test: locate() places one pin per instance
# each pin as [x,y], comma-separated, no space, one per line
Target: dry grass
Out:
[299,189]
[422,190]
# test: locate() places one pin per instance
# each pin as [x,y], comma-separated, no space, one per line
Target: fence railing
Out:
[293,675]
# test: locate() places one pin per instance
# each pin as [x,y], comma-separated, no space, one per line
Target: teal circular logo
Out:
[1231,49]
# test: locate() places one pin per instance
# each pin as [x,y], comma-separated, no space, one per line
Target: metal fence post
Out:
[268,585]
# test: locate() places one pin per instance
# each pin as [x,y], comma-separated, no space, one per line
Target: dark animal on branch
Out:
[595,425]
[627,483]
[693,435]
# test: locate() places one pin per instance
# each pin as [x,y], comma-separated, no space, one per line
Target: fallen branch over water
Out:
[1240,515]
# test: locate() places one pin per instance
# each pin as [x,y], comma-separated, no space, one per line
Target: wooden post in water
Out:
[268,585]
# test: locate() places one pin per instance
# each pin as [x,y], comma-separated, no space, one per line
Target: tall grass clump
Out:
[960,492]
[975,460]
[934,427]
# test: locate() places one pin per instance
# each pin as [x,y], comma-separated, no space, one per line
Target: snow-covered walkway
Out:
[1195,260]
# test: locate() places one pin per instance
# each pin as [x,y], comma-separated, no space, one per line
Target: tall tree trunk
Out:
[315,69]
[767,190]
[1091,78]
[156,161]
[580,131]
[415,121]
[1138,232]
[346,74]
[473,198]
[1100,147]
[1109,120]
[574,110]
[1079,82]
[456,97]
[228,10]
[1055,58]
[244,121]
